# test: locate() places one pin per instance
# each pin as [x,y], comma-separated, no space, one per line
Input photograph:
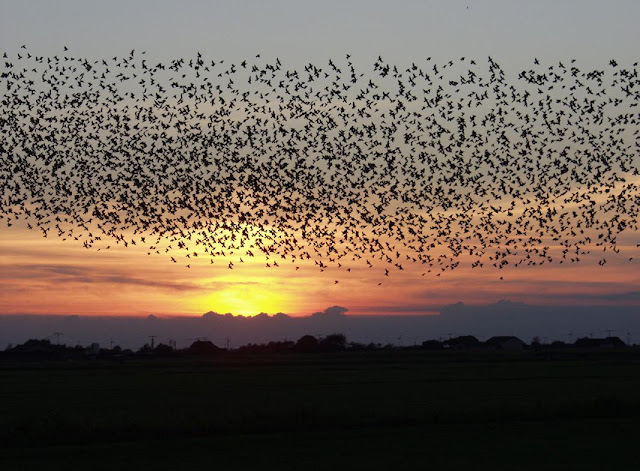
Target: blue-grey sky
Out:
[513,31]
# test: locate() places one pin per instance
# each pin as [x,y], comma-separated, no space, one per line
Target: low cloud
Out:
[65,274]
[630,297]
[502,318]
[333,311]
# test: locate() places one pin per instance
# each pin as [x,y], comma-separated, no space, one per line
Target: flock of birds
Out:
[429,163]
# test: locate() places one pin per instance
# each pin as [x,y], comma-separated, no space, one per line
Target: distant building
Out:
[203,347]
[608,342]
[508,342]
[432,345]
[463,342]
[35,346]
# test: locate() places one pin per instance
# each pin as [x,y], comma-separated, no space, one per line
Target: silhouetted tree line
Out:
[471,343]
[45,349]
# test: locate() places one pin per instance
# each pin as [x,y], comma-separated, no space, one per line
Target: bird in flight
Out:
[438,164]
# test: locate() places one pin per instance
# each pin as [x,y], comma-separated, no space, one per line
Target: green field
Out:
[380,410]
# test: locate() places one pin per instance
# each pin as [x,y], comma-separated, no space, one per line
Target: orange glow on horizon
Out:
[49,276]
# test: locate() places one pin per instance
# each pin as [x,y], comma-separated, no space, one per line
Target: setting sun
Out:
[247,299]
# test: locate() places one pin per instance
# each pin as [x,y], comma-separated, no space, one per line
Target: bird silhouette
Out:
[428,163]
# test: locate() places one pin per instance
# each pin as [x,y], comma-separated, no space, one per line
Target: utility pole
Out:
[227,343]
[628,338]
[608,331]
[153,340]
[57,336]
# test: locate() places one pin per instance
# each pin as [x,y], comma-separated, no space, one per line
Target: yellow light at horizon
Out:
[246,300]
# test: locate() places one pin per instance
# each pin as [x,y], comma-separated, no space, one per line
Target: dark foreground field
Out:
[381,410]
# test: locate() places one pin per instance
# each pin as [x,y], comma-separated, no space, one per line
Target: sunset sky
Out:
[51,276]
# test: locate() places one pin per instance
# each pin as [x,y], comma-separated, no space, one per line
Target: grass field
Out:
[382,410]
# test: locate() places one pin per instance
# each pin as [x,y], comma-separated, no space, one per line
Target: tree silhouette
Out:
[333,343]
